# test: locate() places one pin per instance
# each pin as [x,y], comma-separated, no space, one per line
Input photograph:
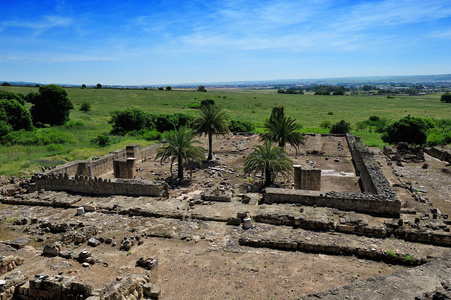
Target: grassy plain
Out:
[249,105]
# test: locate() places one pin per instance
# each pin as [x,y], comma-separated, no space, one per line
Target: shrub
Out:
[446,97]
[15,114]
[102,140]
[72,124]
[338,93]
[85,107]
[194,105]
[341,127]
[130,119]
[12,96]
[152,135]
[412,130]
[325,124]
[330,113]
[207,102]
[241,126]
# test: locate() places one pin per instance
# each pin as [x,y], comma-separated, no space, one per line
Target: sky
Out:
[174,42]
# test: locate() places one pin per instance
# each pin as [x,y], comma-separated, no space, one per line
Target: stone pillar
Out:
[307,179]
[132,151]
[124,168]
[131,170]
[297,176]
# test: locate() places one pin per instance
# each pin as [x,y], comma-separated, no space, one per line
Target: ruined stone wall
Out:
[358,150]
[442,154]
[57,287]
[103,164]
[366,203]
[99,186]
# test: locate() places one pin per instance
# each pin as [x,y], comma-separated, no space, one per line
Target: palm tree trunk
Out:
[268,180]
[180,168]
[210,143]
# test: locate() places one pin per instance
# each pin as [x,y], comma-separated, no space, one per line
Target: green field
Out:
[255,106]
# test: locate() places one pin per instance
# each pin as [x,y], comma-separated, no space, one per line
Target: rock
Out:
[18,243]
[247,223]
[51,249]
[85,265]
[93,242]
[80,211]
[155,293]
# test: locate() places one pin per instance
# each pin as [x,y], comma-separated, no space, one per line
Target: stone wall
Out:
[57,287]
[358,150]
[99,186]
[366,203]
[103,164]
[442,154]
[125,168]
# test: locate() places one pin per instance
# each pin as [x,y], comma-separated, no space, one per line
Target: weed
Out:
[391,253]
[129,253]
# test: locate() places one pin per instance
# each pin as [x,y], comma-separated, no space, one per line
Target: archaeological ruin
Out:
[117,226]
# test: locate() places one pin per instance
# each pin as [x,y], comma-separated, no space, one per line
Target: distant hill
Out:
[339,80]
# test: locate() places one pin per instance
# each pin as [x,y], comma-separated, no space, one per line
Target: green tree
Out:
[270,161]
[282,130]
[83,86]
[12,96]
[341,127]
[99,86]
[412,130]
[446,97]
[211,121]
[201,88]
[181,146]
[130,119]
[15,115]
[51,105]
[6,83]
[168,88]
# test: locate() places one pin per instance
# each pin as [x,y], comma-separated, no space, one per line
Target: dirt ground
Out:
[202,259]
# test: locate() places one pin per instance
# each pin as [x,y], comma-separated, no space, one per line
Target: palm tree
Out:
[211,121]
[270,161]
[181,146]
[283,130]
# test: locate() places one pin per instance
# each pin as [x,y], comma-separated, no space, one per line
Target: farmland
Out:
[249,105]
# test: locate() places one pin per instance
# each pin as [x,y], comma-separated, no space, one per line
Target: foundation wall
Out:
[366,203]
[442,154]
[99,186]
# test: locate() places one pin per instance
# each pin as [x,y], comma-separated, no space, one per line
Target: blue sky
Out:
[170,42]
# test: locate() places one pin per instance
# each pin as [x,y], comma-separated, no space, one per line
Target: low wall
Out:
[442,154]
[366,203]
[99,186]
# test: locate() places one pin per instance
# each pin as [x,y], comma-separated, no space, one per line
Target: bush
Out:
[325,124]
[241,126]
[72,124]
[152,135]
[12,96]
[15,115]
[130,119]
[412,130]
[167,122]
[194,105]
[446,97]
[102,140]
[85,107]
[338,93]
[341,127]
[207,102]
